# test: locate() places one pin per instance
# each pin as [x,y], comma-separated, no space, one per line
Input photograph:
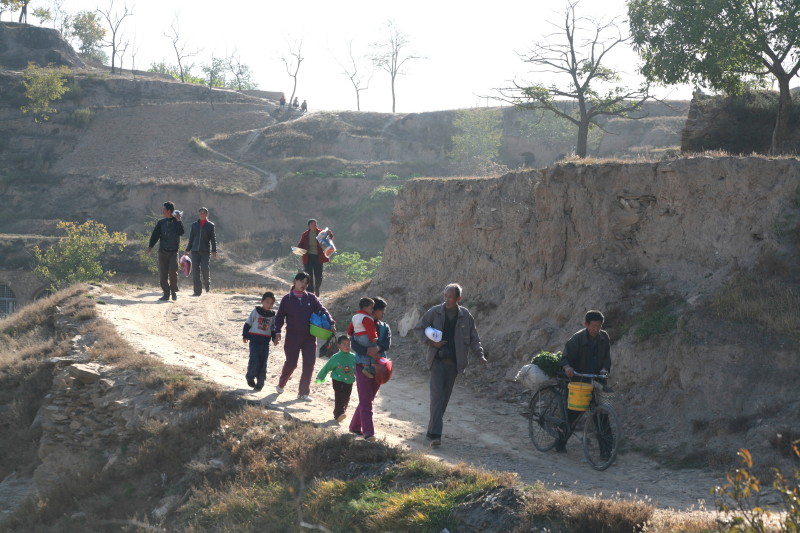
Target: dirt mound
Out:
[21,44]
[651,244]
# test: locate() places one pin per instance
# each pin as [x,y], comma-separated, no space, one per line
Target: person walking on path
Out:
[361,424]
[259,331]
[315,257]
[588,351]
[304,106]
[447,358]
[276,249]
[168,231]
[202,245]
[295,310]
[341,365]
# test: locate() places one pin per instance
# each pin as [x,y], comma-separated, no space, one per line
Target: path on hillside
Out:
[204,334]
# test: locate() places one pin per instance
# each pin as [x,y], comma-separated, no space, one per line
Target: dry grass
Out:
[268,472]
[771,303]
[559,510]
[27,337]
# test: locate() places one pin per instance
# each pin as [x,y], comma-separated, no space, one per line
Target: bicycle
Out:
[548,421]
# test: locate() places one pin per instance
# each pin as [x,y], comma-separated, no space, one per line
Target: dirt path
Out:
[203,334]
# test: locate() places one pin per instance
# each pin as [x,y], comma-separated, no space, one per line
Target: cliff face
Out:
[543,245]
[535,250]
[21,43]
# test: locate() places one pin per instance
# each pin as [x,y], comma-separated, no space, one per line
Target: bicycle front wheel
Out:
[601,437]
[545,417]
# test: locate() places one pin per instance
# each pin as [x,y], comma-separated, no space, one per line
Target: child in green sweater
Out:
[342,366]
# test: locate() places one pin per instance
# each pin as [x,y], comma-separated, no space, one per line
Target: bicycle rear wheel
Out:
[601,437]
[545,417]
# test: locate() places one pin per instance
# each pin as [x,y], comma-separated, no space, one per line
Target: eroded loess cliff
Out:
[535,250]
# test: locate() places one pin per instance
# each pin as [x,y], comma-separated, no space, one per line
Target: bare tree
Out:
[292,63]
[215,71]
[181,53]
[114,19]
[391,55]
[134,52]
[241,75]
[579,61]
[354,72]
[122,49]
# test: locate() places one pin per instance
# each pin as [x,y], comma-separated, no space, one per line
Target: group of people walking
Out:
[201,246]
[454,339]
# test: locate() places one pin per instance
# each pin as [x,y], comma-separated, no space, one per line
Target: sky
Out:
[468,49]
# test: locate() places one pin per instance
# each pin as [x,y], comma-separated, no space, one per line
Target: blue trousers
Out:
[257,365]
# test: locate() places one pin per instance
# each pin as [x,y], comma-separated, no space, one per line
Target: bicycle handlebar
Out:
[594,376]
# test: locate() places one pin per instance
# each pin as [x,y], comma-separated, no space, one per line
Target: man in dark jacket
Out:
[587,352]
[447,358]
[202,245]
[168,230]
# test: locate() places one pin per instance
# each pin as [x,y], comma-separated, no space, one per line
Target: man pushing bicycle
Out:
[587,352]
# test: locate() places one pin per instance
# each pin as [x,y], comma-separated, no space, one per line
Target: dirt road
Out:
[204,334]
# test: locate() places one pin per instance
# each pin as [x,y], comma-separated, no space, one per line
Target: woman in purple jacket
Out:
[296,309]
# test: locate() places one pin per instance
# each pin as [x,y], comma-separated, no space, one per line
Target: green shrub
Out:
[76,257]
[81,117]
[354,267]
[657,322]
[384,193]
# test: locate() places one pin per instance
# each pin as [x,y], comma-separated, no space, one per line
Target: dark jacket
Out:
[577,353]
[466,335]
[304,245]
[168,231]
[202,239]
[384,343]
[296,312]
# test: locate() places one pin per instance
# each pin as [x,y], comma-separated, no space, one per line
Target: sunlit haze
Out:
[469,49]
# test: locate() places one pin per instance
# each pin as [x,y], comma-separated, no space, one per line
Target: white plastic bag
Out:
[326,242]
[532,377]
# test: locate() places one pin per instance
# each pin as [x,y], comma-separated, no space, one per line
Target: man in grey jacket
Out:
[168,230]
[202,245]
[448,357]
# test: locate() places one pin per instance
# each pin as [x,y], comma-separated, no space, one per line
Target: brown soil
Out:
[203,335]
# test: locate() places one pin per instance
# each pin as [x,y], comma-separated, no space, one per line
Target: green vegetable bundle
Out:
[548,362]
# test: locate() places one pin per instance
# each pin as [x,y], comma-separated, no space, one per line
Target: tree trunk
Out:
[393,97]
[358,100]
[779,134]
[583,136]
[294,90]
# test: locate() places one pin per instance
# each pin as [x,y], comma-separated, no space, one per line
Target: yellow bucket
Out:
[580,394]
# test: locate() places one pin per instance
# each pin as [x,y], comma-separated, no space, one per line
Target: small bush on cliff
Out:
[354,267]
[43,86]
[81,118]
[76,257]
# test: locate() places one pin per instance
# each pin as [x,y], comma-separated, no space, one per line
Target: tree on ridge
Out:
[722,44]
[114,19]
[577,53]
[391,55]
